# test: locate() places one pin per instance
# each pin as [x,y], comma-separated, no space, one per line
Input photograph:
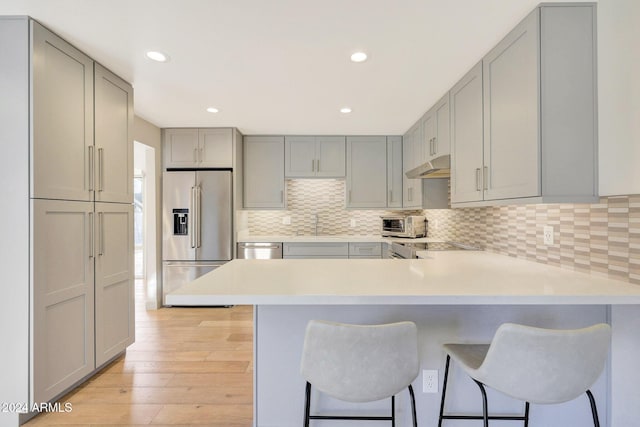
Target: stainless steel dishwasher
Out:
[259,250]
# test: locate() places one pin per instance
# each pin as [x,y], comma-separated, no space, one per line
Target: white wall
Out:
[619,96]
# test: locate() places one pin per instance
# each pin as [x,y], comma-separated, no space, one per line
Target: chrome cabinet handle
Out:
[391,195]
[431,146]
[100,234]
[202,154]
[313,165]
[281,196]
[195,155]
[91,168]
[478,180]
[485,178]
[318,165]
[349,196]
[100,169]
[435,145]
[92,231]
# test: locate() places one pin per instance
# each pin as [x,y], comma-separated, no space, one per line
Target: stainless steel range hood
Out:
[436,168]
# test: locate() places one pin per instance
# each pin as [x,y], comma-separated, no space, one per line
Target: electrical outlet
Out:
[435,224]
[430,381]
[286,220]
[353,223]
[547,235]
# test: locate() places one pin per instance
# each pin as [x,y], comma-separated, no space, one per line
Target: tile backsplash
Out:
[601,238]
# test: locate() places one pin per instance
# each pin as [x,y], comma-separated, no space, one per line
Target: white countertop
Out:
[329,239]
[443,277]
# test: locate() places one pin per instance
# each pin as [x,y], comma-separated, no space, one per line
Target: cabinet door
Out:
[366,172]
[300,156]
[511,114]
[394,171]
[181,148]
[62,119]
[466,137]
[441,137]
[114,282]
[412,157]
[264,172]
[330,156]
[63,296]
[113,137]
[428,134]
[215,148]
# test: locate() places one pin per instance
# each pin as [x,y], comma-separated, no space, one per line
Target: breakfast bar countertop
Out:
[441,278]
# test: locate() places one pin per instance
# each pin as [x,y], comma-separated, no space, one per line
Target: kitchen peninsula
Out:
[452,296]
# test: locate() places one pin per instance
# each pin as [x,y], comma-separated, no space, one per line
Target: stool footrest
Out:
[480,417]
[349,417]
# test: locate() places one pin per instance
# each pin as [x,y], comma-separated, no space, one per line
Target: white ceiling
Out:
[282,66]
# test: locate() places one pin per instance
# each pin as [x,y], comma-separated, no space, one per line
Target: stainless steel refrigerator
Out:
[197,225]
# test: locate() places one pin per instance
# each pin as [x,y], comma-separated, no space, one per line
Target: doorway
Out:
[145,225]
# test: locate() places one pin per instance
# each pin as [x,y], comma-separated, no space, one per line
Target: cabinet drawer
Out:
[365,249]
[315,249]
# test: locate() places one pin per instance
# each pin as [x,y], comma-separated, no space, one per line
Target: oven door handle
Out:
[395,256]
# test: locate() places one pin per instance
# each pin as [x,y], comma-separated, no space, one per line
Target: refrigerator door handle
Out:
[192,208]
[198,207]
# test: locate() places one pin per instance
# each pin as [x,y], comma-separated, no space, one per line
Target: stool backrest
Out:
[544,365]
[360,363]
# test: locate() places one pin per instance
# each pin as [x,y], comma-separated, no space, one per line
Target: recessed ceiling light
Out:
[212,110]
[157,56]
[359,57]
[345,110]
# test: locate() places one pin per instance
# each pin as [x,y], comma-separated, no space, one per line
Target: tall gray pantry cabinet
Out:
[67,189]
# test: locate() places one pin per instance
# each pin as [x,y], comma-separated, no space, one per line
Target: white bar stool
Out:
[359,363]
[535,365]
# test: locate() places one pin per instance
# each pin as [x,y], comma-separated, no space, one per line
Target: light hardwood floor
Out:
[188,366]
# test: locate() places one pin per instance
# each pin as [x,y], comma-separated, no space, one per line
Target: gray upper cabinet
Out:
[412,156]
[366,172]
[113,137]
[511,119]
[539,115]
[198,148]
[466,137]
[263,172]
[62,94]
[315,156]
[394,171]
[435,130]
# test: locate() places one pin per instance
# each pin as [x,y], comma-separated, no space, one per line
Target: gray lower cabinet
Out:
[366,167]
[362,250]
[62,289]
[114,280]
[315,250]
[263,172]
[539,117]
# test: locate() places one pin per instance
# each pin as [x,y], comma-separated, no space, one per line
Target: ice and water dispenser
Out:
[181,222]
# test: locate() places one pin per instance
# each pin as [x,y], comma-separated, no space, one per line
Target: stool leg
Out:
[413,406]
[393,411]
[594,410]
[526,414]
[485,414]
[307,404]
[444,390]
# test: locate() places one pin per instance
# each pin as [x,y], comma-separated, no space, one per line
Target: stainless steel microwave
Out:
[412,226]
